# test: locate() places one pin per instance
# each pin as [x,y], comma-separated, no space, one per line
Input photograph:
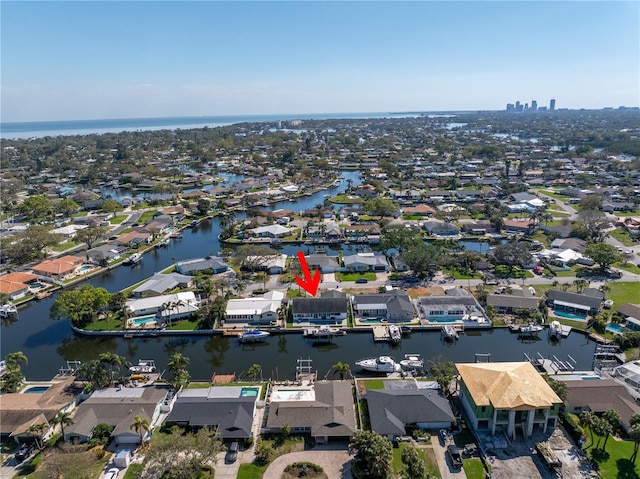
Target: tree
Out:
[559,387]
[515,253]
[254,371]
[38,209]
[414,467]
[341,369]
[591,225]
[373,456]
[111,206]
[587,418]
[443,373]
[140,425]
[634,435]
[36,430]
[178,365]
[63,419]
[423,259]
[602,253]
[94,373]
[31,245]
[580,284]
[181,454]
[17,359]
[66,207]
[401,239]
[253,257]
[80,305]
[602,428]
[92,234]
[380,206]
[613,418]
[13,377]
[113,360]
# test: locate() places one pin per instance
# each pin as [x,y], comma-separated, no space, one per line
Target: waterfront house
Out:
[479,227]
[361,232]
[508,303]
[271,264]
[419,210]
[394,306]
[630,315]
[393,411]
[518,226]
[598,396]
[270,231]
[509,395]
[330,308]
[324,410]
[254,310]
[165,307]
[440,228]
[323,262]
[16,284]
[223,408]
[118,407]
[586,303]
[106,252]
[374,262]
[135,237]
[19,411]
[208,264]
[456,304]
[161,283]
[58,268]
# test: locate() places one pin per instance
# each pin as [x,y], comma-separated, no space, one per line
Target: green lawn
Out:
[613,462]
[559,214]
[147,216]
[428,456]
[346,199]
[253,471]
[373,383]
[66,245]
[622,293]
[631,267]
[555,195]
[134,471]
[473,468]
[116,220]
[623,236]
[355,276]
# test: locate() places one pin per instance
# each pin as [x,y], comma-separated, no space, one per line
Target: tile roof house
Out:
[135,237]
[218,407]
[16,284]
[326,412]
[118,407]
[394,306]
[512,395]
[391,411]
[58,268]
[330,308]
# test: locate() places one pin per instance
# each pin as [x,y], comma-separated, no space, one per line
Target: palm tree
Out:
[64,419]
[341,369]
[580,284]
[111,359]
[634,435]
[177,362]
[36,430]
[177,305]
[17,359]
[140,425]
[254,371]
[587,418]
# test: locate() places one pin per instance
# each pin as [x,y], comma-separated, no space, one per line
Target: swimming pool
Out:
[85,267]
[247,391]
[617,328]
[144,320]
[574,317]
[36,390]
[444,319]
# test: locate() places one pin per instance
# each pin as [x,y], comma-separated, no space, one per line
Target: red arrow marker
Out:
[309,284]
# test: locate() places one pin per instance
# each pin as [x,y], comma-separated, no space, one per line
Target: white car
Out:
[112,473]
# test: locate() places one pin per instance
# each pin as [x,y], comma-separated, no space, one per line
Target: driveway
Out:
[335,462]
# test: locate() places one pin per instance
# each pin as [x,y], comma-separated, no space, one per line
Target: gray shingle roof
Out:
[577,298]
[319,305]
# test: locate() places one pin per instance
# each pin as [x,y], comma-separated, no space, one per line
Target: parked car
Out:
[232,452]
[23,452]
[455,456]
[362,280]
[112,473]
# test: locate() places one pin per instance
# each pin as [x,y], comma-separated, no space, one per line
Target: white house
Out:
[184,304]
[254,310]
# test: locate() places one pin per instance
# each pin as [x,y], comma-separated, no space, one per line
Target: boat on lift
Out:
[449,332]
[412,361]
[395,333]
[323,331]
[555,330]
[144,366]
[381,364]
[8,309]
[251,335]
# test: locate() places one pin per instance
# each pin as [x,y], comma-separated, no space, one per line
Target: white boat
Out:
[449,332]
[395,333]
[144,366]
[412,361]
[555,329]
[8,309]
[381,364]
[531,329]
[133,259]
[252,335]
[323,331]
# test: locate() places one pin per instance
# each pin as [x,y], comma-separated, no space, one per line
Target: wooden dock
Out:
[381,333]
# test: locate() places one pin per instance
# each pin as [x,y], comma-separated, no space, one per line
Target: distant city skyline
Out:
[98,60]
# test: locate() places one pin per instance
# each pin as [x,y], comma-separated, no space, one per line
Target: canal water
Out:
[48,343]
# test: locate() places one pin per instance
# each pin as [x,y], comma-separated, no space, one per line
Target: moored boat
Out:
[133,259]
[144,366]
[449,332]
[555,330]
[412,361]
[531,329]
[381,364]
[8,309]
[323,331]
[252,335]
[395,334]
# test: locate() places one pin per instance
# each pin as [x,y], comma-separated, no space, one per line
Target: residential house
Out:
[456,304]
[106,252]
[362,232]
[630,315]
[323,262]
[16,285]
[271,264]
[19,411]
[208,264]
[165,307]
[161,283]
[480,227]
[366,262]
[510,303]
[135,237]
[440,228]
[69,231]
[330,308]
[419,210]
[58,268]
[509,395]
[586,303]
[393,411]
[575,244]
[600,396]
[324,410]
[270,231]
[254,310]
[394,306]
[518,226]
[119,407]
[222,408]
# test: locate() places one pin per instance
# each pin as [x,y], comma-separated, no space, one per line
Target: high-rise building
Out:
[552,104]
[534,105]
[510,107]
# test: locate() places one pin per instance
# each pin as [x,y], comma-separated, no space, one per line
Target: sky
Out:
[106,59]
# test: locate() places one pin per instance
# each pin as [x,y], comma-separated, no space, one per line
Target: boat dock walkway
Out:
[381,333]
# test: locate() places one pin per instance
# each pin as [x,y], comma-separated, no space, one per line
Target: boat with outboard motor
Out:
[412,361]
[395,333]
[381,364]
[251,335]
[323,331]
